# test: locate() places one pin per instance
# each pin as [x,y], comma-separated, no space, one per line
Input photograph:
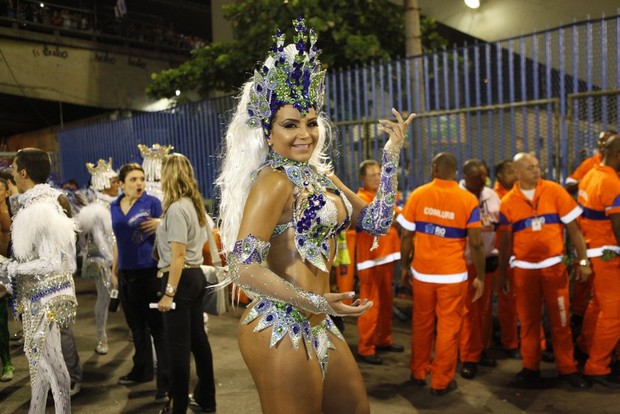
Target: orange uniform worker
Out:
[572,181]
[443,216]
[582,291]
[375,272]
[599,196]
[506,305]
[478,315]
[532,216]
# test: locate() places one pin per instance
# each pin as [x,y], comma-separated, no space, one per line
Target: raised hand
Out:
[396,130]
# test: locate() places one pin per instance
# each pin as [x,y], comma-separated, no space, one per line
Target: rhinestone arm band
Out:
[376,218]
[247,270]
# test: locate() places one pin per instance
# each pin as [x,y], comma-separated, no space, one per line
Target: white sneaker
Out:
[102,348]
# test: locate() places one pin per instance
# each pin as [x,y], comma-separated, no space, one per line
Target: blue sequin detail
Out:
[285,320]
[312,233]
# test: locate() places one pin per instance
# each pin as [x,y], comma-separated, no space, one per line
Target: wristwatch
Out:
[584,262]
[170,290]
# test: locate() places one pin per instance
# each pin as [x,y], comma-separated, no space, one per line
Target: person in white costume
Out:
[152,159]
[40,278]
[97,242]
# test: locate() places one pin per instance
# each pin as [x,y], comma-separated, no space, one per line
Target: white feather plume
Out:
[92,215]
[38,223]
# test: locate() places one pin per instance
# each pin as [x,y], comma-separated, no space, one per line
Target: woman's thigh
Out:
[344,390]
[287,380]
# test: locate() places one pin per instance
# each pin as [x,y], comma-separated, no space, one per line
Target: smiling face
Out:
[134,184]
[293,136]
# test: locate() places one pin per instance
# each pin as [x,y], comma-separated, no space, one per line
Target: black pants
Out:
[138,288]
[185,330]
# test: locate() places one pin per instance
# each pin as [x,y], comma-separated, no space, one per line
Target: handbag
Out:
[215,299]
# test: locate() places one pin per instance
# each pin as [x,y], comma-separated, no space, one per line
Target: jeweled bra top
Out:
[315,216]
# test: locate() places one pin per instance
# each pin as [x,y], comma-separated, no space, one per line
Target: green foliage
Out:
[351,32]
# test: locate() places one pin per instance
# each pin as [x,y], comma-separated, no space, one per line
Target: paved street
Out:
[390,393]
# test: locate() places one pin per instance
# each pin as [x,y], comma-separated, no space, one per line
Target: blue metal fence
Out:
[193,130]
[550,92]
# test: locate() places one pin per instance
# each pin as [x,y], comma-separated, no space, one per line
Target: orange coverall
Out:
[440,213]
[537,233]
[599,194]
[375,271]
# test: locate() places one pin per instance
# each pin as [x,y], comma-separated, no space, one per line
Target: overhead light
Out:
[42,5]
[472,4]
[177,92]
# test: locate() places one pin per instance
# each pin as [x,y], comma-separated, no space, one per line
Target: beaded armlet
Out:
[376,218]
[247,270]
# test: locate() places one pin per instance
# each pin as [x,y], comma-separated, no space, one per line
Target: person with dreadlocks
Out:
[281,210]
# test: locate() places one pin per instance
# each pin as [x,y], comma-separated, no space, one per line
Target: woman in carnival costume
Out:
[97,242]
[281,210]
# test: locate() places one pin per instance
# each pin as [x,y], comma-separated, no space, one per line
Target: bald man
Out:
[444,217]
[599,196]
[532,219]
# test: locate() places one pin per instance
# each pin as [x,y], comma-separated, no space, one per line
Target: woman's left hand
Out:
[396,130]
[149,226]
[165,304]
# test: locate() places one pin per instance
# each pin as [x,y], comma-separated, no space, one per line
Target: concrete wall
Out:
[78,71]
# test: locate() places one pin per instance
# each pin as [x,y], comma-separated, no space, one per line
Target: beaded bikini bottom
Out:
[286,319]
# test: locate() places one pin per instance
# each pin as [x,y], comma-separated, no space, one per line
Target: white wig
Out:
[246,151]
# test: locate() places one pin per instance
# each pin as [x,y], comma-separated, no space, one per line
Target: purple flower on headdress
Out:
[299,83]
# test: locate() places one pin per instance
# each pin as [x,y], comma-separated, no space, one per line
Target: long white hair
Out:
[246,150]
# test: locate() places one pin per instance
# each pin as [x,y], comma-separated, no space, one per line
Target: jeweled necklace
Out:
[301,173]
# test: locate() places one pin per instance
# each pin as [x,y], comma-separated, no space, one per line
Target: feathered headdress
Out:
[300,83]
[153,157]
[101,174]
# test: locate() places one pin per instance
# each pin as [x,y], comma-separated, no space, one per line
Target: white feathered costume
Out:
[41,282]
[97,247]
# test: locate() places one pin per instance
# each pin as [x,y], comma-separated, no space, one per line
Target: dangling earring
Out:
[269,143]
